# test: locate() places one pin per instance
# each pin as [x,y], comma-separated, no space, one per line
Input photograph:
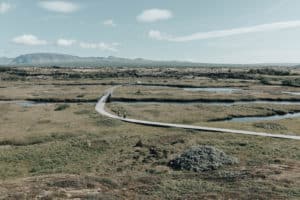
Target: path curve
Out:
[100,108]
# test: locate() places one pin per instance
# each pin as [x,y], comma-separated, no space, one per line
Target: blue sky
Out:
[219,31]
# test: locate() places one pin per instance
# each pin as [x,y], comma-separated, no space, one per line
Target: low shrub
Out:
[62,107]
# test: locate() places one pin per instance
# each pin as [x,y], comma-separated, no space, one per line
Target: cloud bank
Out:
[4,7]
[109,22]
[65,42]
[30,40]
[157,35]
[59,6]
[153,15]
[101,46]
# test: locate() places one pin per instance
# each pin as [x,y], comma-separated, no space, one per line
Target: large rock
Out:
[202,158]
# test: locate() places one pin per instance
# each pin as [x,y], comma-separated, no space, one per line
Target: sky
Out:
[214,31]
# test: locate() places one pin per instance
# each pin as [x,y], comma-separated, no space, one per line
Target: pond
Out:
[20,103]
[215,90]
[292,93]
[266,118]
[217,103]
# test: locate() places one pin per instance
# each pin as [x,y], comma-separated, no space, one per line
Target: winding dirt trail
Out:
[100,108]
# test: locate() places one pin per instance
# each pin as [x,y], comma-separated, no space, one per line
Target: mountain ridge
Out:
[66,60]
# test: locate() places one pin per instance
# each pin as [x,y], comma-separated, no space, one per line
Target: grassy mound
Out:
[201,158]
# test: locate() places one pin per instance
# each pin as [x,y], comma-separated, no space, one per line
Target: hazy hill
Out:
[5,60]
[51,59]
[41,58]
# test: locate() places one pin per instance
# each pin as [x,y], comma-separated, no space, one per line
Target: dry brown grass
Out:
[251,92]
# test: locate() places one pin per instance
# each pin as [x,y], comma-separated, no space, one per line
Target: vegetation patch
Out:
[62,107]
[269,71]
[86,182]
[270,126]
[72,155]
[33,140]
[82,112]
[202,158]
[291,82]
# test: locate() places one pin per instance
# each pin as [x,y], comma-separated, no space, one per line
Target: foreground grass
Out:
[68,156]
[268,166]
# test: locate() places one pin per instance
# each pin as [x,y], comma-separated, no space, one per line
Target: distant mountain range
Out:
[63,60]
[5,61]
[42,58]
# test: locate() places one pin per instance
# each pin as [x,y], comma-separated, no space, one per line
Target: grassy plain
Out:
[51,151]
[253,91]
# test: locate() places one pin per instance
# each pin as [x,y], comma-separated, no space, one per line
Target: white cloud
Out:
[155,34]
[153,15]
[102,46]
[109,22]
[116,44]
[59,6]
[30,40]
[65,42]
[4,7]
